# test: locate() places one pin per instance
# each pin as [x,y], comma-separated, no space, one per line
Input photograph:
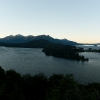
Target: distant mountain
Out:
[61,41]
[17,39]
[25,39]
[40,43]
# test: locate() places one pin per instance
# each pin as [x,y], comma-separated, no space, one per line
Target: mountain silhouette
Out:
[25,39]
[40,43]
[17,39]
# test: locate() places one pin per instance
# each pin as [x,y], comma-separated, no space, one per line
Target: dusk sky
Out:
[76,20]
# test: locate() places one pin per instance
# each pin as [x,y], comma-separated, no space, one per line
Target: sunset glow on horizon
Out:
[75,20]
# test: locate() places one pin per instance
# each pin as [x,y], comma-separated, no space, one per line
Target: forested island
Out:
[92,50]
[67,52]
[14,86]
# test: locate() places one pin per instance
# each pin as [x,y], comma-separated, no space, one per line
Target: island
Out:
[65,51]
[92,50]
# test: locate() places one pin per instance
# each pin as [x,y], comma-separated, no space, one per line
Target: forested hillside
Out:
[14,86]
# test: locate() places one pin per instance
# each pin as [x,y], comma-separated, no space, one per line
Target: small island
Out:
[67,52]
[92,50]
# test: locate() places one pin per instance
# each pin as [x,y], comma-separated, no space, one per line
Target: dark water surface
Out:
[34,61]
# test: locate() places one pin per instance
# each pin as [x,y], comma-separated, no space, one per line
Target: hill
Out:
[40,43]
[17,39]
[25,39]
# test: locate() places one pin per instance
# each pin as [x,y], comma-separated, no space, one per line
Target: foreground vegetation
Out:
[13,86]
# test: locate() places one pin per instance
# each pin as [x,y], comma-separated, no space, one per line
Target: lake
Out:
[34,61]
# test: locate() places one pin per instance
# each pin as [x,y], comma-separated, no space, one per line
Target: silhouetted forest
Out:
[41,43]
[92,50]
[65,51]
[14,86]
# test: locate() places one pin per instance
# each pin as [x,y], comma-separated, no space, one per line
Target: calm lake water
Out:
[34,61]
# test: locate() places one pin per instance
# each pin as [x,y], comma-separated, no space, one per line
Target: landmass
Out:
[53,49]
[25,39]
[67,52]
[92,50]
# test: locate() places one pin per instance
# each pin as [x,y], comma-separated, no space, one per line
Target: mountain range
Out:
[25,39]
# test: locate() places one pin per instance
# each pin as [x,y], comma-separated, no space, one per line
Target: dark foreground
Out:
[13,86]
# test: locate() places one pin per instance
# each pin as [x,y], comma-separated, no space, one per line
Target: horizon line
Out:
[52,37]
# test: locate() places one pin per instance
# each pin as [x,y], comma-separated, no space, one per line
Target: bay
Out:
[34,61]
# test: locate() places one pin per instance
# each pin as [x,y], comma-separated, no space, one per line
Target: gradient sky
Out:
[76,20]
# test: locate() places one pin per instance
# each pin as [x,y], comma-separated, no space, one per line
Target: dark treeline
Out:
[65,51]
[13,86]
[41,43]
[92,50]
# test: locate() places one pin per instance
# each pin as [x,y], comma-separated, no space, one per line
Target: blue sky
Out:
[76,20]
